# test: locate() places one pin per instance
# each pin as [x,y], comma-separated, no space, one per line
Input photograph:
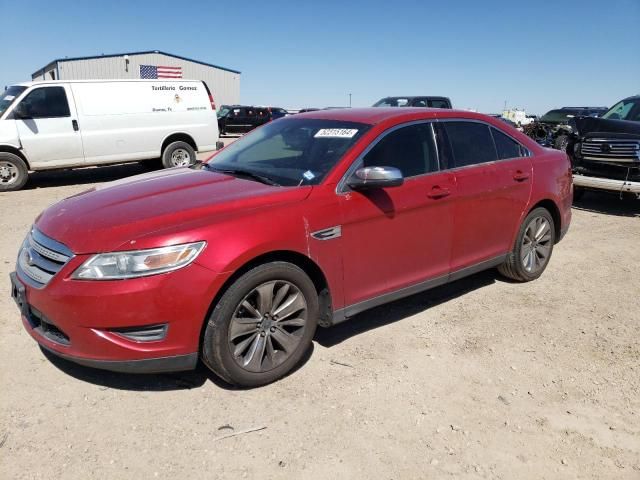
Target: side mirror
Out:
[375,177]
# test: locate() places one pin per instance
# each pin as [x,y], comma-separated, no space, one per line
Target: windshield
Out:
[8,96]
[558,115]
[223,111]
[292,151]
[624,110]
[393,102]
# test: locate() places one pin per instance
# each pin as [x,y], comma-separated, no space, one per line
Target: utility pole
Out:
[349,100]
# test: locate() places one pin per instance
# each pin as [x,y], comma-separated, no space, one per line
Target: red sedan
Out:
[306,221]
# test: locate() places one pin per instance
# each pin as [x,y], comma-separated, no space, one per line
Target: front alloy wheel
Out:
[261,325]
[267,326]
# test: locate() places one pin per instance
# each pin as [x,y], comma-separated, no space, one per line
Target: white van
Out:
[67,124]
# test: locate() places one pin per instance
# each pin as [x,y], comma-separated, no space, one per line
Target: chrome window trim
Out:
[342,187]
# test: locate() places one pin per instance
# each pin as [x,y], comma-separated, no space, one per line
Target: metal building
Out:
[224,83]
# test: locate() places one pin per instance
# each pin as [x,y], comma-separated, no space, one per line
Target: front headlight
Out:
[139,263]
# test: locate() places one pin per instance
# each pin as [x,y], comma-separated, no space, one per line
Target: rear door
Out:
[398,237]
[493,178]
[50,134]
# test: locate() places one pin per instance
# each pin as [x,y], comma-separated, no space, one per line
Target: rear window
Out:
[471,143]
[506,146]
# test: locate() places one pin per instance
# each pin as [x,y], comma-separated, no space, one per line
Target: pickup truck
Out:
[605,151]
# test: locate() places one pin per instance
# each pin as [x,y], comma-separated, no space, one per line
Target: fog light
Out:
[148,333]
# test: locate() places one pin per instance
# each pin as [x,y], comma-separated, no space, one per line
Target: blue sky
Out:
[535,55]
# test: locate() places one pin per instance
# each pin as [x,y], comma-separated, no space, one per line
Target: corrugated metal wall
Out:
[224,85]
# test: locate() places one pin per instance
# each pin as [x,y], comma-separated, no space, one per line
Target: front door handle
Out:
[75,125]
[438,192]
[520,176]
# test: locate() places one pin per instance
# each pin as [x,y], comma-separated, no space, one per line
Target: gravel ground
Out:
[482,378]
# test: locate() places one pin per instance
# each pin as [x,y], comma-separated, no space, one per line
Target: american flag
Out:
[155,72]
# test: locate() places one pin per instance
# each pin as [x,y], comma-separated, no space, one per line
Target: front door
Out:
[493,176]
[398,237]
[49,133]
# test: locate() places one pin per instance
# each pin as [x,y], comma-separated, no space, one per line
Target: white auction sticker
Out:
[8,98]
[336,133]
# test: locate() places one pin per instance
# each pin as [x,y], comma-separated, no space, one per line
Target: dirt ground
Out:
[479,379]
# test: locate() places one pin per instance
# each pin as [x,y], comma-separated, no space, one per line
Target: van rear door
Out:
[48,128]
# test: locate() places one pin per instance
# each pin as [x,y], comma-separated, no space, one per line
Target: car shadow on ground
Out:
[83,176]
[327,337]
[401,309]
[149,382]
[609,204]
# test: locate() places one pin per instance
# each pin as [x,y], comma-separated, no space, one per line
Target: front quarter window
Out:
[291,151]
[9,96]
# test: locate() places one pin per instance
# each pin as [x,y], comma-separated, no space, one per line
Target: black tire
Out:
[186,151]
[216,345]
[514,266]
[578,193]
[13,172]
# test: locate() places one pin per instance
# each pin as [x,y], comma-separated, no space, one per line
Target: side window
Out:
[410,149]
[419,102]
[438,104]
[47,102]
[506,146]
[471,143]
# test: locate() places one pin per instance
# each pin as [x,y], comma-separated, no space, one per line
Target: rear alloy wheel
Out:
[262,325]
[532,249]
[13,172]
[178,154]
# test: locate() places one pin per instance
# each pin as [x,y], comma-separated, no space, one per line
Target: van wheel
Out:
[13,172]
[533,247]
[178,154]
[262,325]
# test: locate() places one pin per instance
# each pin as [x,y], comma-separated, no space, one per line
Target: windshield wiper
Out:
[244,173]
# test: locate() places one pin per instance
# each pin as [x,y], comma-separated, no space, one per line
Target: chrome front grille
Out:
[40,258]
[610,149]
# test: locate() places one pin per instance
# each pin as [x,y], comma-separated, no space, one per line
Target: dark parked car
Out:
[244,118]
[605,151]
[553,129]
[430,102]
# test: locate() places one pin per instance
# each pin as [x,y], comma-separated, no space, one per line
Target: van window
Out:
[46,102]
[471,143]
[409,149]
[9,96]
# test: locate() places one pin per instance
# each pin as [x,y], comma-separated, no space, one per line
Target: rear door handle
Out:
[520,176]
[438,192]
[75,125]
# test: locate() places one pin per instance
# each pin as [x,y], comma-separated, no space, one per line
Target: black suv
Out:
[244,118]
[429,102]
[605,151]
[553,129]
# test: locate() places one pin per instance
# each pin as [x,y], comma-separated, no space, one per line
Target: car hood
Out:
[112,216]
[594,125]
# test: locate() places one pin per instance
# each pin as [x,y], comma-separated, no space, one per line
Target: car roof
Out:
[417,96]
[108,80]
[375,115]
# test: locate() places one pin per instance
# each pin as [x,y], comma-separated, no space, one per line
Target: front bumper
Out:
[609,184]
[82,320]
